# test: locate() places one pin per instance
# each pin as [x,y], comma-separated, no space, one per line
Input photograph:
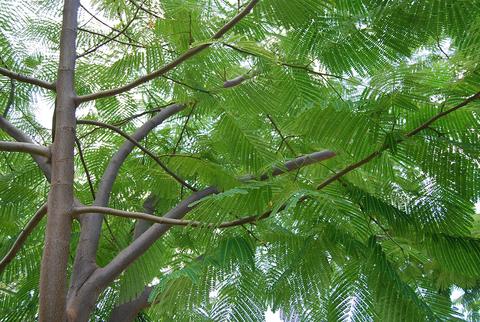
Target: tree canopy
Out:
[318,157]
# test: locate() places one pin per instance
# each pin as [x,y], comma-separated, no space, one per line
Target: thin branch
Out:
[27,79]
[145,10]
[275,126]
[98,19]
[136,215]
[375,154]
[182,58]
[183,129]
[85,168]
[308,70]
[156,219]
[11,98]
[439,45]
[25,147]
[186,85]
[311,71]
[22,237]
[141,147]
[110,38]
[121,32]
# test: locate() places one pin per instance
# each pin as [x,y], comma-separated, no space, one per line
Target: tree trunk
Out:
[53,276]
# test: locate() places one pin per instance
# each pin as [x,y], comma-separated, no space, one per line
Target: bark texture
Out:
[53,275]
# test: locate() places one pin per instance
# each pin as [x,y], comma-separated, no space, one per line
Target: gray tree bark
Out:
[53,274]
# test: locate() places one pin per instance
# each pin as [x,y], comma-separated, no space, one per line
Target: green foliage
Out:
[389,241]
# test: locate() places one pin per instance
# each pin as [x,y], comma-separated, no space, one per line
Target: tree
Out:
[211,159]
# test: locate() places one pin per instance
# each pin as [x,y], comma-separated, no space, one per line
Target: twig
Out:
[137,144]
[22,237]
[91,50]
[183,129]
[185,56]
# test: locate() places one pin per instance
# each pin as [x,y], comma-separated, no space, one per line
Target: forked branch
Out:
[20,136]
[141,147]
[140,245]
[185,56]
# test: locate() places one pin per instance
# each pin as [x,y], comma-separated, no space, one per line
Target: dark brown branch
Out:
[25,147]
[185,56]
[141,147]
[308,70]
[85,168]
[27,79]
[275,126]
[22,237]
[311,71]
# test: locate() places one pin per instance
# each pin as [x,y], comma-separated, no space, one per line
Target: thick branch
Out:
[142,226]
[19,136]
[138,145]
[104,276]
[91,225]
[139,246]
[22,237]
[288,166]
[235,81]
[25,147]
[127,312]
[299,163]
[27,79]
[188,54]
